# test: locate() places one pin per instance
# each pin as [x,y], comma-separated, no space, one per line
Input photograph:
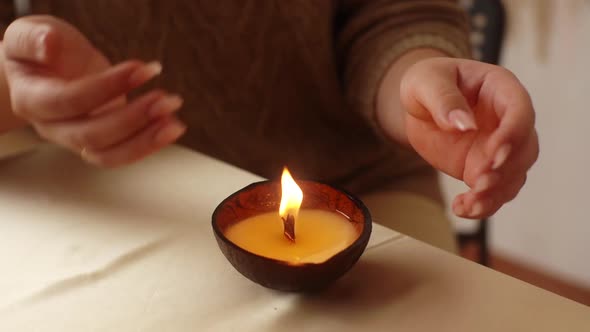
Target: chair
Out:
[487,22]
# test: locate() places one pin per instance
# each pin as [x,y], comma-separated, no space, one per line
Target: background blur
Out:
[544,235]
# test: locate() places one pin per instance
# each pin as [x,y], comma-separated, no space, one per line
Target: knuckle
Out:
[502,72]
[511,195]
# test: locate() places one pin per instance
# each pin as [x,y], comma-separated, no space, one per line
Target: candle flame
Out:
[291,196]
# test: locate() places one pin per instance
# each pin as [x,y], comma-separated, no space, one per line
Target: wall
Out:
[548,225]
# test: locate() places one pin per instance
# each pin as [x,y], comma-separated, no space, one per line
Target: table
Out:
[131,249]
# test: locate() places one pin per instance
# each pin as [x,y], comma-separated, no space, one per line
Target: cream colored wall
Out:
[548,225]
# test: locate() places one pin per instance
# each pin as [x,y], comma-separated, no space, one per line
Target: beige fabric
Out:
[413,215]
[132,249]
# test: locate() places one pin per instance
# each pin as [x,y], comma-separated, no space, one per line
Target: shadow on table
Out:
[369,290]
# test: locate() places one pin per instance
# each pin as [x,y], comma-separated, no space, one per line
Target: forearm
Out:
[8,121]
[390,115]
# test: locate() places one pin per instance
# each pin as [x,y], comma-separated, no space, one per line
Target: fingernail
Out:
[462,120]
[501,156]
[41,45]
[485,182]
[145,73]
[169,132]
[88,156]
[476,209]
[85,154]
[165,106]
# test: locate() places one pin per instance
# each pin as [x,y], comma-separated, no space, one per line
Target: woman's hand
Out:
[475,122]
[70,93]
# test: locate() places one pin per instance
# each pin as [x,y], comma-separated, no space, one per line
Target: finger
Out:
[32,39]
[458,206]
[431,92]
[484,204]
[516,165]
[49,99]
[112,127]
[493,189]
[482,207]
[486,181]
[513,106]
[51,43]
[149,140]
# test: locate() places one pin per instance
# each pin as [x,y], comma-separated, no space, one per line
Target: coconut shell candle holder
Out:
[292,241]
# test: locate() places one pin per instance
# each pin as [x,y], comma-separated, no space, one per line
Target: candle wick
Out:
[289,224]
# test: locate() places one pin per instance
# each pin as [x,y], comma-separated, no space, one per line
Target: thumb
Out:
[431,93]
[30,39]
[42,40]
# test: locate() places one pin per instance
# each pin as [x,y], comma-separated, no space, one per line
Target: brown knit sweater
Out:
[269,83]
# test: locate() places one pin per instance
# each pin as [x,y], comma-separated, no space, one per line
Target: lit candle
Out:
[293,235]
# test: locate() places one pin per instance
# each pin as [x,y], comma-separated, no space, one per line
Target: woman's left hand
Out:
[475,122]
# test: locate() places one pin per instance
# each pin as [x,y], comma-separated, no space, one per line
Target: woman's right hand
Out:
[70,93]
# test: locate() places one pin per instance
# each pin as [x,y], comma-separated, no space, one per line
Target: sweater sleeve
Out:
[7,15]
[372,34]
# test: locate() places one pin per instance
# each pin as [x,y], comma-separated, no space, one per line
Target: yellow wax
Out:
[319,235]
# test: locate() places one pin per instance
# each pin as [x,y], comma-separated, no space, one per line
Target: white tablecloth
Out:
[132,249]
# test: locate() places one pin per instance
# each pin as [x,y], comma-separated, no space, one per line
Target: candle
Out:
[320,235]
[291,234]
